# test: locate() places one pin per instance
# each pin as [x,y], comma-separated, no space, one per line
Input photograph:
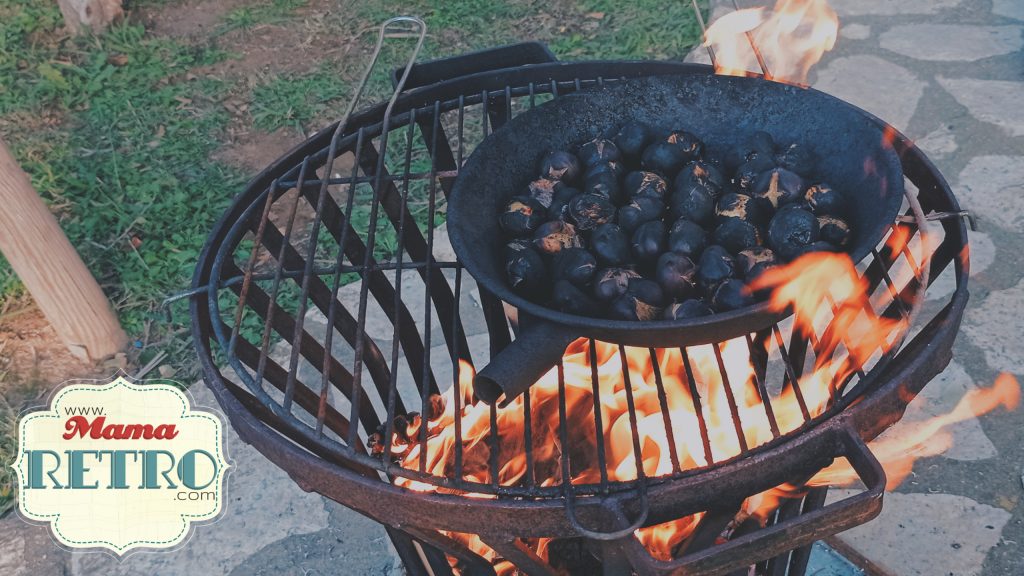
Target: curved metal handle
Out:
[801,530]
[570,512]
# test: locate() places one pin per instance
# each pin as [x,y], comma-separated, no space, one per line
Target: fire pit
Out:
[372,405]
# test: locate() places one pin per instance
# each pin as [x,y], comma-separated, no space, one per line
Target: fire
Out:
[683,404]
[789,39]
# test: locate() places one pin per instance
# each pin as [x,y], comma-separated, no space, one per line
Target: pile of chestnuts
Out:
[644,224]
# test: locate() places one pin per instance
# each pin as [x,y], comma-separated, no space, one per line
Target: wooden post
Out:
[94,15]
[42,256]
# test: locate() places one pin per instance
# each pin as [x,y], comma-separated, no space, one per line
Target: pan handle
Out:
[537,349]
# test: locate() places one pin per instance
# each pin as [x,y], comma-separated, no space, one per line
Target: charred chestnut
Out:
[560,165]
[757,145]
[676,274]
[732,206]
[524,268]
[664,158]
[610,245]
[642,183]
[543,190]
[598,150]
[752,262]
[641,209]
[735,235]
[610,283]
[791,231]
[572,300]
[748,172]
[610,167]
[694,203]
[796,158]
[701,173]
[649,241]
[521,216]
[825,200]
[692,308]
[575,265]
[686,238]
[686,143]
[552,237]
[834,230]
[731,294]
[603,184]
[714,266]
[642,300]
[558,209]
[778,186]
[632,138]
[589,211]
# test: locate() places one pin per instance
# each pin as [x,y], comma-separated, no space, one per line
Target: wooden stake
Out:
[95,15]
[45,261]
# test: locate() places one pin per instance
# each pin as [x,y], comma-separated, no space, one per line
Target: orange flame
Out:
[790,39]
[684,402]
[928,438]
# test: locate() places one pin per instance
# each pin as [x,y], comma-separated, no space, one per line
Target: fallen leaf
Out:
[117,59]
[595,15]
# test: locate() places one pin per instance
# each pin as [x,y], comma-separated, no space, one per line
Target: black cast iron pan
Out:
[721,110]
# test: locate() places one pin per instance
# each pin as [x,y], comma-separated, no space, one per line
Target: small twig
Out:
[150,365]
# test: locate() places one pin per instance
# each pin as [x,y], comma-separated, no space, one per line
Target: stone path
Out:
[949,74]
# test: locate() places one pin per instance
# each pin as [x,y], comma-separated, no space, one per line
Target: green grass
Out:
[273,12]
[295,100]
[128,168]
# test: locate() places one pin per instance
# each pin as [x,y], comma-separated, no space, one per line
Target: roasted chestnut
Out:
[693,202]
[643,183]
[560,202]
[560,165]
[757,145]
[604,184]
[649,241]
[572,300]
[731,294]
[610,167]
[521,216]
[748,172]
[589,211]
[686,238]
[632,138]
[610,245]
[692,308]
[714,266]
[598,150]
[834,230]
[610,283]
[796,158]
[524,268]
[703,173]
[732,206]
[735,235]
[543,190]
[641,209]
[825,200]
[664,158]
[575,265]
[778,186]
[676,274]
[688,144]
[552,237]
[790,231]
[642,300]
[752,262]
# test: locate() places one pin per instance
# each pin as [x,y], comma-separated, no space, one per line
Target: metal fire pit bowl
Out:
[308,394]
